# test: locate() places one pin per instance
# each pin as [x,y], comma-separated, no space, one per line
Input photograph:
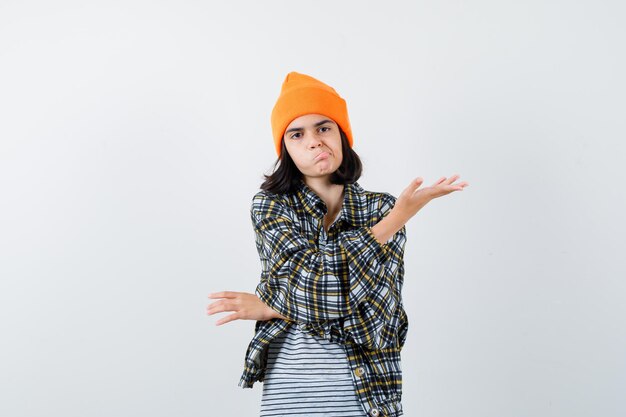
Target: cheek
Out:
[338,155]
[339,148]
[298,158]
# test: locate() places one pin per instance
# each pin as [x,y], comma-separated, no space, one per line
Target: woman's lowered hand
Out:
[246,306]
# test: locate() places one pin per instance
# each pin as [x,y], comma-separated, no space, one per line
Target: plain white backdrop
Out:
[133,135]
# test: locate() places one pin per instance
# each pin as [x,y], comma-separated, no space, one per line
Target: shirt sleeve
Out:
[380,320]
[351,289]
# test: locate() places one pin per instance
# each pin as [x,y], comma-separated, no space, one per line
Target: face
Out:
[314,143]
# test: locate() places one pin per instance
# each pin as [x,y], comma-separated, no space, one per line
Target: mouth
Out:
[322,155]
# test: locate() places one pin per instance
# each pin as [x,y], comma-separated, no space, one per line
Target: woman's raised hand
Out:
[413,198]
[246,306]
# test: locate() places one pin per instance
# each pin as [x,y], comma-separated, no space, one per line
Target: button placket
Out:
[322,234]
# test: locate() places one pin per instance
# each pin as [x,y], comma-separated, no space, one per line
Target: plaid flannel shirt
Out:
[343,285]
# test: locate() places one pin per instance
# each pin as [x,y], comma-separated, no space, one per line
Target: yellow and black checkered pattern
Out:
[343,285]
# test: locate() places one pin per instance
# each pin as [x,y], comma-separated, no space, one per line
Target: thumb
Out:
[416,183]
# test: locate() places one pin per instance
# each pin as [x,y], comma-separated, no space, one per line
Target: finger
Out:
[446,189]
[439,181]
[219,306]
[222,294]
[452,179]
[226,319]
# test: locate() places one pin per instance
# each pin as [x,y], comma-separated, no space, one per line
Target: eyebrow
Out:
[315,125]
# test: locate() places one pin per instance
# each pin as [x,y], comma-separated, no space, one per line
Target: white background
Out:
[133,135]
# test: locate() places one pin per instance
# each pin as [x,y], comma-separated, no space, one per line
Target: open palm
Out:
[414,198]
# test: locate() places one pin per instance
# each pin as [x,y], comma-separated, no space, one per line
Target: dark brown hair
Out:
[285,178]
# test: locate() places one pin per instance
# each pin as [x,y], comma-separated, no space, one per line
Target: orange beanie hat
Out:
[302,94]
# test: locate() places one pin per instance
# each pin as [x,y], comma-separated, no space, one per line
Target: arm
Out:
[349,288]
[377,321]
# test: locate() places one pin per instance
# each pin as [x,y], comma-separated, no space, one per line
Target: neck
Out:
[331,194]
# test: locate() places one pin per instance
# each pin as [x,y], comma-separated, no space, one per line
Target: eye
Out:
[297,133]
[325,127]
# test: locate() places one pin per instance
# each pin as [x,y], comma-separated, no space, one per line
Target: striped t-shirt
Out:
[307,375]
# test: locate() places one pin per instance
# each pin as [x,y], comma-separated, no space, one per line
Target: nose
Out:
[314,141]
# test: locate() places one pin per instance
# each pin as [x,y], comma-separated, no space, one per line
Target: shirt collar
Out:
[353,209]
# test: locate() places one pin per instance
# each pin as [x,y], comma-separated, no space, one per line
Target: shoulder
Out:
[266,204]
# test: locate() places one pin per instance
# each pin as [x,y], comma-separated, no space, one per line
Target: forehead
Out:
[308,120]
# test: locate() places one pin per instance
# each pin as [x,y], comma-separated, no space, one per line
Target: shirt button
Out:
[359,371]
[374,412]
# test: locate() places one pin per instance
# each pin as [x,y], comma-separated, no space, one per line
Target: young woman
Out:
[330,322]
